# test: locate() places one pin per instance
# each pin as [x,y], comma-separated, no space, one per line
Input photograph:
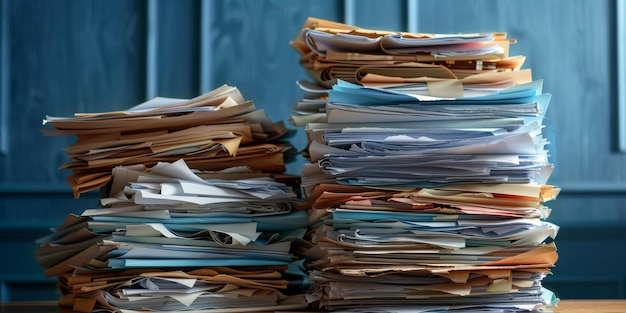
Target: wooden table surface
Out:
[591,306]
[565,306]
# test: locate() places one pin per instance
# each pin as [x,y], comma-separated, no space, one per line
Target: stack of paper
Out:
[426,189]
[195,212]
[217,130]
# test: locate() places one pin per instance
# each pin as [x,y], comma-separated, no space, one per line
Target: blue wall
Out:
[63,56]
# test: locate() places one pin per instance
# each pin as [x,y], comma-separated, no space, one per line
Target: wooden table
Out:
[591,306]
[565,306]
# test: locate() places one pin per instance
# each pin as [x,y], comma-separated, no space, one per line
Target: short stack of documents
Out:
[428,179]
[195,212]
[214,131]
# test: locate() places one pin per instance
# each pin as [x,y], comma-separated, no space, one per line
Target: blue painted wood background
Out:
[63,56]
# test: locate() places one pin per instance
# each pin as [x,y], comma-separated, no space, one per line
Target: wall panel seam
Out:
[412,18]
[152,34]
[206,53]
[621,72]
[349,11]
[5,66]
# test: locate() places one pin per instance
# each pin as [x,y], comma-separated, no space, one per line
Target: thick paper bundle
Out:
[212,289]
[427,181]
[215,131]
[332,51]
[440,65]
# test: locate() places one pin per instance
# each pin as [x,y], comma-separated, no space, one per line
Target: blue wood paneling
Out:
[178,49]
[79,56]
[590,264]
[20,279]
[390,15]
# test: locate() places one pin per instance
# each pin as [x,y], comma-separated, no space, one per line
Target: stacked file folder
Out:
[429,172]
[195,211]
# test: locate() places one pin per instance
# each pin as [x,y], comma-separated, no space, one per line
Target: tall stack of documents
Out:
[196,212]
[429,172]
